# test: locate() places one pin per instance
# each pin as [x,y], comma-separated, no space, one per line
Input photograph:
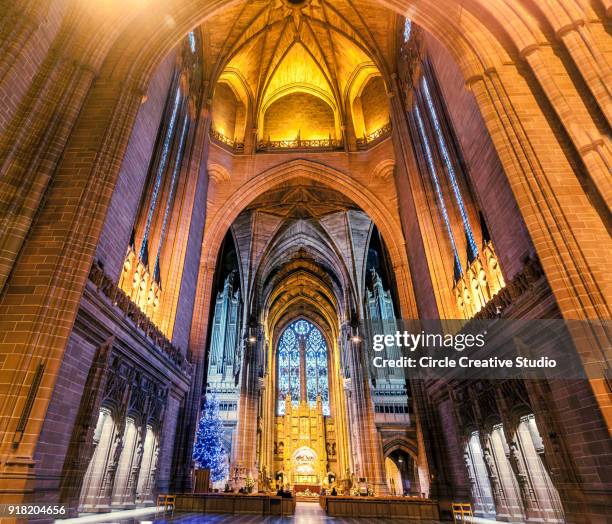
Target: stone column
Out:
[132,484]
[82,446]
[268,413]
[371,456]
[244,453]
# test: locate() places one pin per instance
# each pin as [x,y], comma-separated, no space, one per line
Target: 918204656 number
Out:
[25,510]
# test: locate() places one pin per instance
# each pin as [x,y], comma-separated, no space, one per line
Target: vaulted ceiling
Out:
[302,201]
[267,49]
[302,249]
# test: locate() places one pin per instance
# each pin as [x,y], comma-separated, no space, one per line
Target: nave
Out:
[210,208]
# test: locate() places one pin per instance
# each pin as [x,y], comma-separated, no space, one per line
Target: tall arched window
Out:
[407,29]
[473,249]
[302,356]
[458,270]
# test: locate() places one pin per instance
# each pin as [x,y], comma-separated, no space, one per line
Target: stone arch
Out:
[410,448]
[323,320]
[384,169]
[377,108]
[363,197]
[228,96]
[287,117]
[216,230]
[218,173]
[282,244]
[357,80]
[480,35]
[408,470]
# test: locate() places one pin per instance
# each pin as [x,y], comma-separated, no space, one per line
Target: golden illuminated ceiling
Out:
[267,49]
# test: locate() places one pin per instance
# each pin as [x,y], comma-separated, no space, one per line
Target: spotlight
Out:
[252,339]
[356,339]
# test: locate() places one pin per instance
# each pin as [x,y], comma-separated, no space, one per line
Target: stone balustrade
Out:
[532,272]
[139,318]
[375,137]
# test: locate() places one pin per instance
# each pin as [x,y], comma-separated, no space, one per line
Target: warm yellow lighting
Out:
[378,123]
[107,8]
[292,134]
[170,22]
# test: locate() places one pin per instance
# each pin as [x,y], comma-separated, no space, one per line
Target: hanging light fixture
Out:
[251,337]
[354,336]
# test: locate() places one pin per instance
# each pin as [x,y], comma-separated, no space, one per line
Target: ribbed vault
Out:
[268,50]
[302,294]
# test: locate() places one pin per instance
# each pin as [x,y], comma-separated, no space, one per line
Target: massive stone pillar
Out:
[244,453]
[82,445]
[370,459]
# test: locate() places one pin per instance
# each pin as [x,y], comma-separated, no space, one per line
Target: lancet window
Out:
[407,29]
[476,274]
[145,260]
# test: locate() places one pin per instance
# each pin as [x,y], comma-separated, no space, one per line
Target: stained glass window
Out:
[407,29]
[450,170]
[434,177]
[192,42]
[302,335]
[163,162]
[316,358]
[288,368]
[175,172]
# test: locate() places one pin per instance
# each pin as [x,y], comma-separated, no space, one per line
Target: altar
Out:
[305,438]
[301,488]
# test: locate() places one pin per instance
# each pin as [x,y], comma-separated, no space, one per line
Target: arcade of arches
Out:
[209,198]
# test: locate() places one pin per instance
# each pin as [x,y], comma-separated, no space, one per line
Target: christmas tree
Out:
[208,450]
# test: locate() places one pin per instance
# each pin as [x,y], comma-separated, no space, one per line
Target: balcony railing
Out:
[232,144]
[322,144]
[507,296]
[106,286]
[373,138]
[480,283]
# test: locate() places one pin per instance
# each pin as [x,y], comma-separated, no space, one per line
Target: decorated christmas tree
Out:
[208,450]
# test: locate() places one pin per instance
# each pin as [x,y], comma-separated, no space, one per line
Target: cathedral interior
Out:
[220,199]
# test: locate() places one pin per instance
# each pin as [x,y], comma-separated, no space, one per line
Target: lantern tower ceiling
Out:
[267,50]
